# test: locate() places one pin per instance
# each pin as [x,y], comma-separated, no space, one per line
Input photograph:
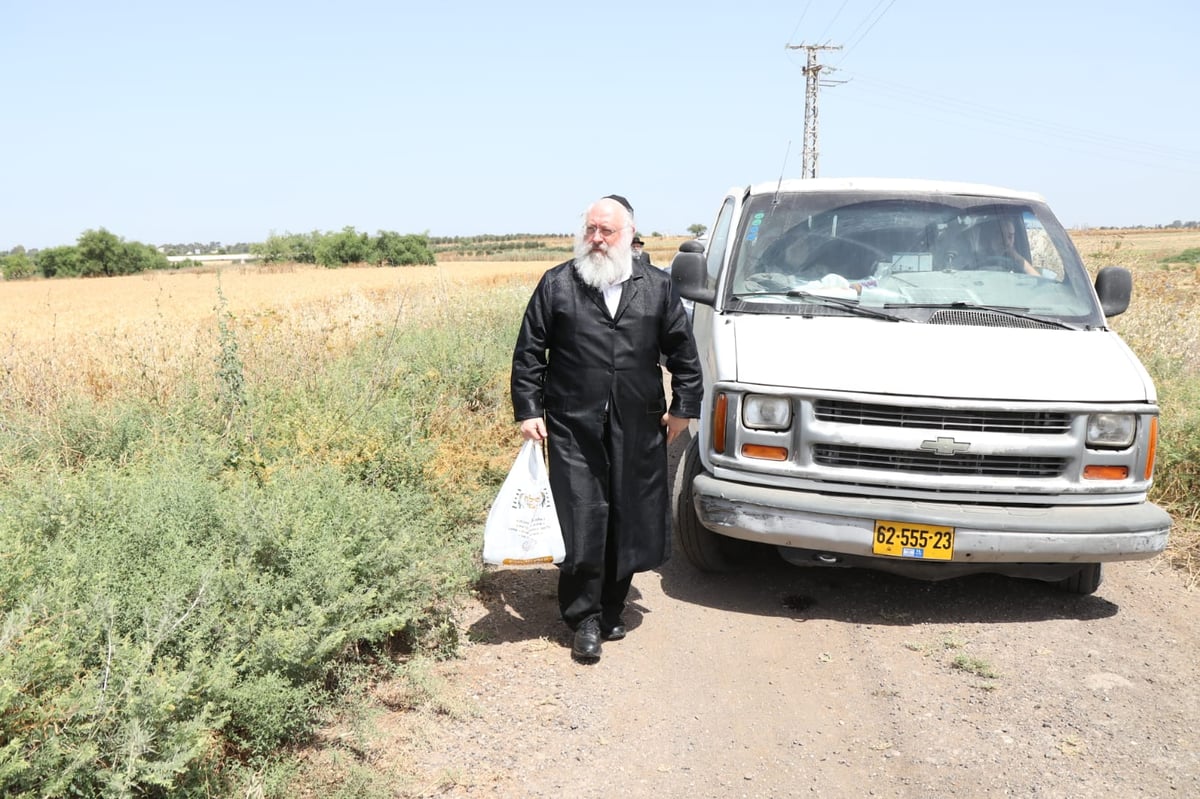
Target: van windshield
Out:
[913,254]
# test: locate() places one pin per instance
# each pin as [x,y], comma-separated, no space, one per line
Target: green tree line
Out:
[97,253]
[347,246]
[101,253]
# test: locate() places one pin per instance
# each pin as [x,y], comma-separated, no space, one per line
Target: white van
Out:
[913,376]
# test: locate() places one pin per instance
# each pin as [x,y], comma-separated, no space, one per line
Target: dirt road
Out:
[783,682]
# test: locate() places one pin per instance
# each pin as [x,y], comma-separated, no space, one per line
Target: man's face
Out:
[602,247]
[604,227]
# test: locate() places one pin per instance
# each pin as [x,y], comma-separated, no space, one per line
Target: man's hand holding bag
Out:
[522,526]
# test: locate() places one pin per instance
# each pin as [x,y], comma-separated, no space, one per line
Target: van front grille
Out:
[970,420]
[850,457]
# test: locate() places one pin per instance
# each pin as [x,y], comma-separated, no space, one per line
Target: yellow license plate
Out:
[909,540]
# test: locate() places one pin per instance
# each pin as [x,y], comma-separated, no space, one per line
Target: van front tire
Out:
[1085,581]
[703,548]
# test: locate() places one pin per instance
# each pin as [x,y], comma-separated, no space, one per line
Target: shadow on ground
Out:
[522,604]
[768,586]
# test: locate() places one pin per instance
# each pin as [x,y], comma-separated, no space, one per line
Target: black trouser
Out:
[584,596]
[581,597]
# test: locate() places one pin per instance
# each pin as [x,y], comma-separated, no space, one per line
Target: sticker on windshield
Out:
[755,223]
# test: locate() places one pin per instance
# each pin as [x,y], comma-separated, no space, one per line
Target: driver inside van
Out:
[998,243]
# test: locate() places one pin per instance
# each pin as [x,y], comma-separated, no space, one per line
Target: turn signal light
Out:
[1151,448]
[1105,472]
[720,410]
[765,453]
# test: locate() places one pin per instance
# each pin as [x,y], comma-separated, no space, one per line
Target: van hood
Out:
[967,362]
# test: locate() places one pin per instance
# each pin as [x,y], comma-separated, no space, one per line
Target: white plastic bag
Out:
[522,526]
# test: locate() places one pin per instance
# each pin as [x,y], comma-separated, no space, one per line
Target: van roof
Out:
[897,185]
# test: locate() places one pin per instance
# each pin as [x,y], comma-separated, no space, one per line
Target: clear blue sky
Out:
[176,122]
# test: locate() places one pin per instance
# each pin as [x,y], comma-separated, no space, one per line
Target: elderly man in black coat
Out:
[586,375]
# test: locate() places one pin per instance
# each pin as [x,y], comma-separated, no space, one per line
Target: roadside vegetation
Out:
[1162,326]
[204,555]
[213,541]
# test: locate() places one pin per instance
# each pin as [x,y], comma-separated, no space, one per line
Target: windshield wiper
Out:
[850,305]
[1004,310]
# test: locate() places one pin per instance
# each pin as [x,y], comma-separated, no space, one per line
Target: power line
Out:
[863,35]
[911,102]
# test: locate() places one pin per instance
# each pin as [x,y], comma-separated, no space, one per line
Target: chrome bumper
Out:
[983,533]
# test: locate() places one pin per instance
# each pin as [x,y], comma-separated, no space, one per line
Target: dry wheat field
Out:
[80,309]
[54,333]
[136,334]
[49,316]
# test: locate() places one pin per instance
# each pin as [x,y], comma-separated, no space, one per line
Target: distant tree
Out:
[272,251]
[16,265]
[99,253]
[345,247]
[304,247]
[59,261]
[697,230]
[138,257]
[393,249]
[105,253]
[299,248]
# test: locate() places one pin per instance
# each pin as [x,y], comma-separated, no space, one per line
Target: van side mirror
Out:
[1114,287]
[689,273]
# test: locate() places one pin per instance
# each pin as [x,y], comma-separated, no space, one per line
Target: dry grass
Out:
[1162,326]
[45,310]
[103,337]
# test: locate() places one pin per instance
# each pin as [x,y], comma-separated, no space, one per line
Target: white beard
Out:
[604,267]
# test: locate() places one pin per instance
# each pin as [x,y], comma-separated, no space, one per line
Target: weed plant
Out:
[200,556]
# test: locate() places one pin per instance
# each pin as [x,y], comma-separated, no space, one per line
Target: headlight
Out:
[1111,430]
[761,412]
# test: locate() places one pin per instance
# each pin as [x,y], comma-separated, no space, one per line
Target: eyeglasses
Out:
[606,232]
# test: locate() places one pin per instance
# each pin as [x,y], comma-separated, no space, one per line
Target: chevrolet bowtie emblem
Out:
[945,446]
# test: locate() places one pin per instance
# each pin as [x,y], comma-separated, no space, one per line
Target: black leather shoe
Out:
[614,632]
[587,641]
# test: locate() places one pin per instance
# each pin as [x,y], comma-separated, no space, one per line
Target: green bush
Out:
[393,249]
[300,248]
[1177,470]
[186,586]
[58,261]
[16,266]
[347,246]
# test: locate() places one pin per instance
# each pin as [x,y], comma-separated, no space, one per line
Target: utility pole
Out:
[812,74]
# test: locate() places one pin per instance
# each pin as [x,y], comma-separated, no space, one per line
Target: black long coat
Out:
[597,380]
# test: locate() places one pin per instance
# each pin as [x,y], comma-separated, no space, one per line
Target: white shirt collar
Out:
[612,296]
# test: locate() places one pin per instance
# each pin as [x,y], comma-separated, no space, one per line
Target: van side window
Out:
[718,240]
